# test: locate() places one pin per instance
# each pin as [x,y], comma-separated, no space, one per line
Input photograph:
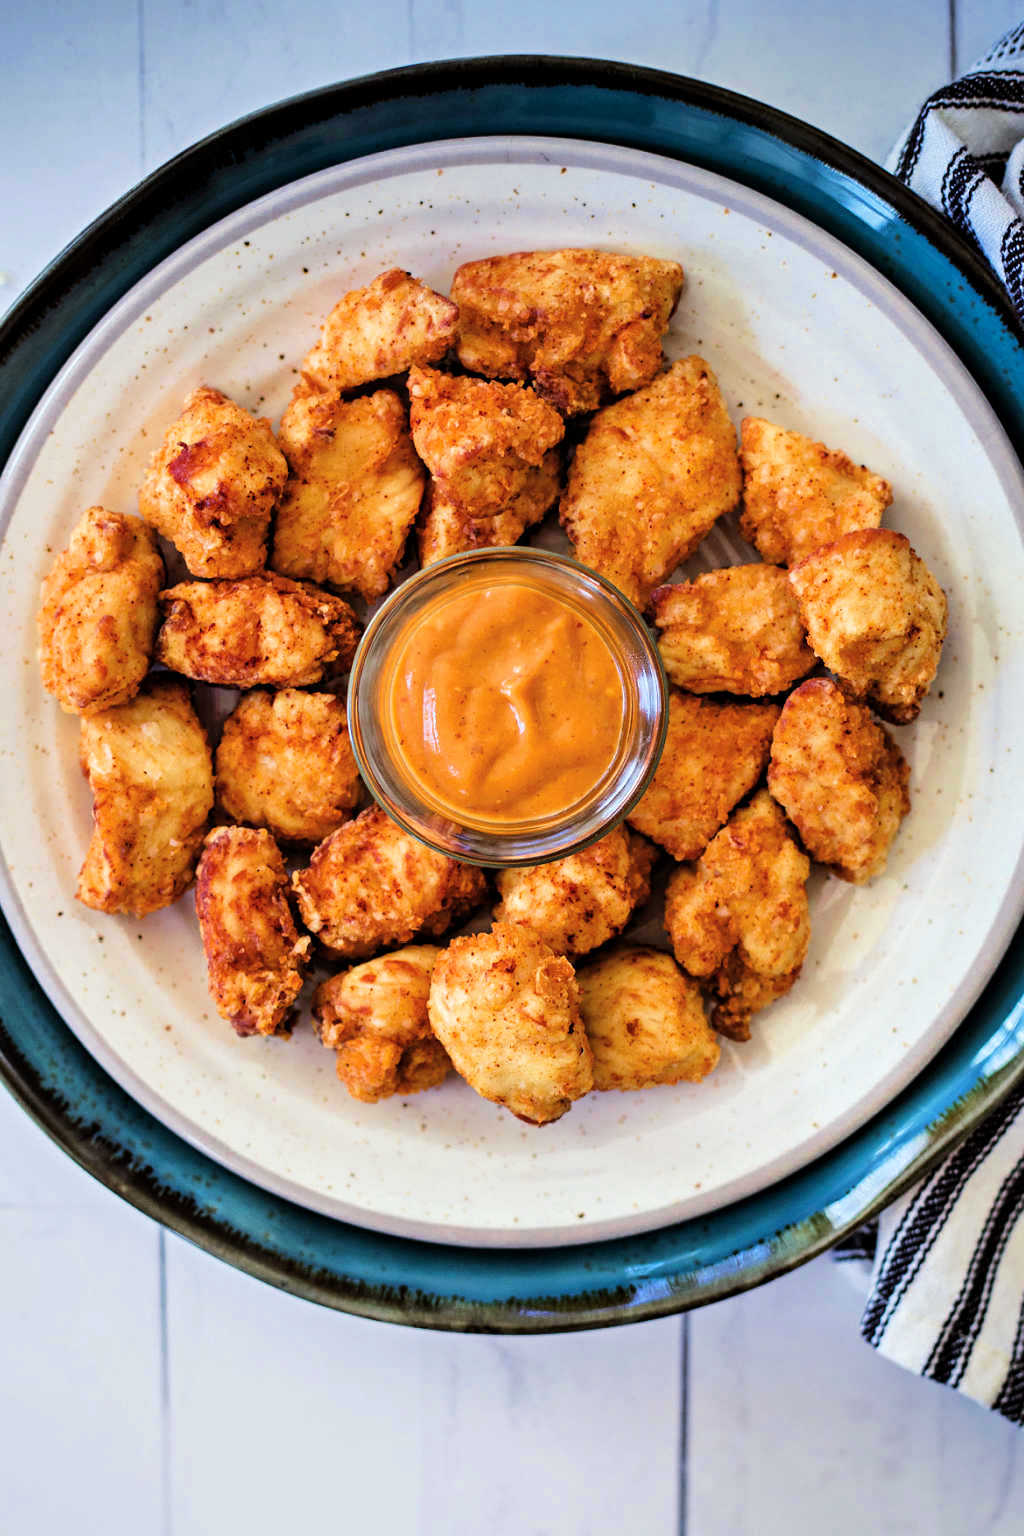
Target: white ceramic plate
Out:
[797,328]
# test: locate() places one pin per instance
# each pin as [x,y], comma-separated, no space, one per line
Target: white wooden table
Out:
[146,1388]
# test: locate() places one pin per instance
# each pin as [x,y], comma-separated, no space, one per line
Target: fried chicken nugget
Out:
[148,766]
[490,449]
[374,332]
[254,957]
[354,490]
[876,616]
[375,1017]
[645,1021]
[285,762]
[651,477]
[798,494]
[739,916]
[840,778]
[448,530]
[714,755]
[506,1009]
[369,885]
[259,631]
[479,440]
[98,613]
[212,483]
[577,903]
[580,325]
[736,630]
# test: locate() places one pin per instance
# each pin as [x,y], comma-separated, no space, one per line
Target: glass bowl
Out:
[531,840]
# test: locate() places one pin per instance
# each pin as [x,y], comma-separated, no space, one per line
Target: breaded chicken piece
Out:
[148,766]
[285,762]
[448,530]
[97,613]
[714,755]
[262,631]
[736,630]
[374,332]
[798,494]
[506,1009]
[369,885]
[580,325]
[739,916]
[212,483]
[490,449]
[375,1017]
[645,1021]
[575,904]
[876,616]
[255,959]
[479,439]
[354,490]
[840,778]
[650,478]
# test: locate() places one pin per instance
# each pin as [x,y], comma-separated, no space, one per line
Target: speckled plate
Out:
[813,280]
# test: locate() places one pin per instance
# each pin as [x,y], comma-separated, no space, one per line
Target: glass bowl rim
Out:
[495,857]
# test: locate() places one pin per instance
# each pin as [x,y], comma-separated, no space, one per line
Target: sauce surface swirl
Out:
[504,702]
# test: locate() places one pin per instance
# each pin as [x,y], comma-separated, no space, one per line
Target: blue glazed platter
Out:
[721,1247]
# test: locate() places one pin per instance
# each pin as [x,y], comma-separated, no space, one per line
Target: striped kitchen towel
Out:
[946,1289]
[964,154]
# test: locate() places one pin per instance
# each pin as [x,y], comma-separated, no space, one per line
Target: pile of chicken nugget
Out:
[461,422]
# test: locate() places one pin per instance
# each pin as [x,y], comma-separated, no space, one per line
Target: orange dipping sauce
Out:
[503,703]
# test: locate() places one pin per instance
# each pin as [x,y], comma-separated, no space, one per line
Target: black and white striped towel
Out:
[964,154]
[947,1287]
[946,1294]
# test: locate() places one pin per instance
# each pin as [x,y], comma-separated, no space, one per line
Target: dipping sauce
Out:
[503,702]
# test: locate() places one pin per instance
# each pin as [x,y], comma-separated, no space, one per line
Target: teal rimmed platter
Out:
[720,1247]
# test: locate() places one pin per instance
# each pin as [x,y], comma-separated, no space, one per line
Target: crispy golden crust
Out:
[447,530]
[739,917]
[212,483]
[580,325]
[651,477]
[148,766]
[285,762]
[369,885]
[841,779]
[736,630]
[262,631]
[97,613]
[354,490]
[506,1009]
[645,1021]
[255,959]
[575,904]
[479,440]
[798,494]
[714,755]
[374,332]
[375,1017]
[876,616]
